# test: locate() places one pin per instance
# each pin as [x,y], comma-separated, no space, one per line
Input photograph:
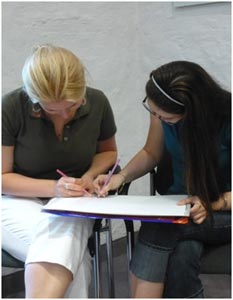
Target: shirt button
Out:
[65,138]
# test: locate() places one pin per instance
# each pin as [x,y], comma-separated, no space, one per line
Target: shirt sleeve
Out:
[108,125]
[10,119]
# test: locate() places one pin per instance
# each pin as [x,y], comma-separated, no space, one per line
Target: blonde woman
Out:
[53,122]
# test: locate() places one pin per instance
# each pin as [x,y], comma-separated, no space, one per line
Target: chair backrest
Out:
[161,177]
[11,262]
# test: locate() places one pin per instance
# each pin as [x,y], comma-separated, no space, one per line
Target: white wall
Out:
[120,43]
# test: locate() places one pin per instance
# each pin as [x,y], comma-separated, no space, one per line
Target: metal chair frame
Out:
[96,254]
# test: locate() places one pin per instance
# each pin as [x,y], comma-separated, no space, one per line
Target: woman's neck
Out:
[59,124]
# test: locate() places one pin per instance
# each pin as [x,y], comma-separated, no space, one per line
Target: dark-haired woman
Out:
[190,116]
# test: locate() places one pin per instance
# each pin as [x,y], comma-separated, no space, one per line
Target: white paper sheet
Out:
[122,205]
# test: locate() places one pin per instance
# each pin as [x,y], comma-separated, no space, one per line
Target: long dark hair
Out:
[206,106]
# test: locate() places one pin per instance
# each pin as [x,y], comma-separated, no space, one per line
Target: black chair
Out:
[12,282]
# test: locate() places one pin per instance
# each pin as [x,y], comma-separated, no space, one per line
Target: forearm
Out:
[19,185]
[101,163]
[139,165]
[223,203]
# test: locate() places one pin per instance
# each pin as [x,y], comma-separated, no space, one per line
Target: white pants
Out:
[33,236]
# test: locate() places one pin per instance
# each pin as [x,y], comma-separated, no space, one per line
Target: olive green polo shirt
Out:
[38,152]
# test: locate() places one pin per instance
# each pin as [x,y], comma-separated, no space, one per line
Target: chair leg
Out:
[130,246]
[152,183]
[97,266]
[111,286]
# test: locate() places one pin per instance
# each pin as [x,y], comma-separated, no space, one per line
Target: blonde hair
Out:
[53,74]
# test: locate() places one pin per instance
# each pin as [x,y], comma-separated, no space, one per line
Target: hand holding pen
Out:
[70,186]
[104,183]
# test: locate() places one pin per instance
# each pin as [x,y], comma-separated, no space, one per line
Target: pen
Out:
[64,175]
[110,173]
[61,173]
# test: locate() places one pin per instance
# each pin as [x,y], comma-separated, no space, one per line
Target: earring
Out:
[36,109]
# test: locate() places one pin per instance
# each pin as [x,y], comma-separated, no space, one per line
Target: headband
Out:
[165,94]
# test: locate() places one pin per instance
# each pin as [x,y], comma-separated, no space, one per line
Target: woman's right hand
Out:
[69,187]
[115,182]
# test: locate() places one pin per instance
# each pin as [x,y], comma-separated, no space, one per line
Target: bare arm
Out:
[104,159]
[223,203]
[19,185]
[147,158]
[144,161]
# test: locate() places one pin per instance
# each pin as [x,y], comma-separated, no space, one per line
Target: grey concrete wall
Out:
[120,43]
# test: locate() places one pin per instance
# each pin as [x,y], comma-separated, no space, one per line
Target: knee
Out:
[182,278]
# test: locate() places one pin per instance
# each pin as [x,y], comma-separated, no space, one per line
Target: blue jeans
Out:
[170,253]
[182,276]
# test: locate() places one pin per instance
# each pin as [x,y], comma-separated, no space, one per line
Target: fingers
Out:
[198,212]
[71,187]
[78,181]
[197,208]
[99,187]
[184,201]
[198,219]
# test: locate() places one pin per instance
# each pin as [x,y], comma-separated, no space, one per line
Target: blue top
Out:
[173,145]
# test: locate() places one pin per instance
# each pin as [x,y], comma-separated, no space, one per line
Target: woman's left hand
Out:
[87,183]
[197,212]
